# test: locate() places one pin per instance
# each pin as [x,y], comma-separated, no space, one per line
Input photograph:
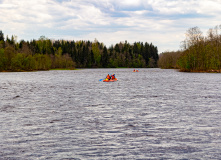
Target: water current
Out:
[150,114]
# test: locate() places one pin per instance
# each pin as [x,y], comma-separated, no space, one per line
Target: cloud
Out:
[163,22]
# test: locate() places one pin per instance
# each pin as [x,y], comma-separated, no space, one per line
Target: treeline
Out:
[199,53]
[44,54]
[31,56]
[168,60]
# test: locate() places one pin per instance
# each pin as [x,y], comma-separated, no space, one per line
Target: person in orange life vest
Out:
[108,77]
[113,76]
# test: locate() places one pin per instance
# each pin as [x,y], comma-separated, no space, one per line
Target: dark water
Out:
[152,114]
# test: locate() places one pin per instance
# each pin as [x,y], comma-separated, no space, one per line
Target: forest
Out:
[198,53]
[45,54]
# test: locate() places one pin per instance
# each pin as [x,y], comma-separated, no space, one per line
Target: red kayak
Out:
[111,80]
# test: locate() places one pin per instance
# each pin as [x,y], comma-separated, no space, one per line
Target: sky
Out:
[160,22]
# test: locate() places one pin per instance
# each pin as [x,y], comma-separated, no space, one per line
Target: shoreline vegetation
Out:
[46,54]
[199,53]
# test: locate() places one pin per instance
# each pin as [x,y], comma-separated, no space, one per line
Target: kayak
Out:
[111,80]
[136,71]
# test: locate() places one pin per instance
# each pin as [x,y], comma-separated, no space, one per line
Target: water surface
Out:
[151,114]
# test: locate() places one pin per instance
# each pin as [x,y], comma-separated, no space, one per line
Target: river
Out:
[70,114]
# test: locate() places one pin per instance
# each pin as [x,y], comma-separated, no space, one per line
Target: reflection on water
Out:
[151,114]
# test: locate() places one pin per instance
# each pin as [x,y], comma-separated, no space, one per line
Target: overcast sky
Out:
[162,22]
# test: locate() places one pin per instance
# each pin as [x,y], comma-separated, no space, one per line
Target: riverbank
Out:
[39,70]
[201,71]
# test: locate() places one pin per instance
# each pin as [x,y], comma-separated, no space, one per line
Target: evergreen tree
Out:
[2,36]
[104,59]
[2,40]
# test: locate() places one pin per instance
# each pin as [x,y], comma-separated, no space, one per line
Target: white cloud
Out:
[163,22]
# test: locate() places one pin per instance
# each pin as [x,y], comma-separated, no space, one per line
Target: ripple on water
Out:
[156,114]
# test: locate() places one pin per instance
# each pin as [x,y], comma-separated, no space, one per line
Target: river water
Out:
[150,114]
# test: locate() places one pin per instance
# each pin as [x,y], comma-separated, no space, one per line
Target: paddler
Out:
[108,77]
[113,76]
